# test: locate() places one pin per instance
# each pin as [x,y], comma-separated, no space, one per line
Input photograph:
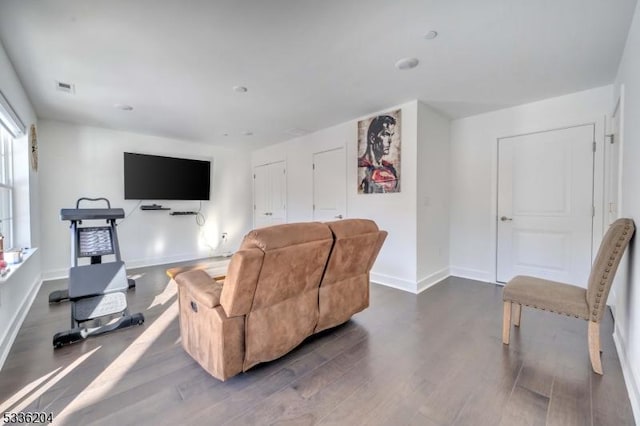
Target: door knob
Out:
[506,219]
[338,216]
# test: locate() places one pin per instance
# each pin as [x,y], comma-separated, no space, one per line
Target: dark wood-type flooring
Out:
[431,359]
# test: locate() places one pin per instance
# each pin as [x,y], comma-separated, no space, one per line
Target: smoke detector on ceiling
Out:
[65,87]
[407,63]
[431,35]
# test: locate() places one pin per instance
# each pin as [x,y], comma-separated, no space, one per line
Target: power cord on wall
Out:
[200,218]
[130,212]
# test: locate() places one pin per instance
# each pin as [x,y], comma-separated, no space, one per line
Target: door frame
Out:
[618,110]
[598,223]
[313,180]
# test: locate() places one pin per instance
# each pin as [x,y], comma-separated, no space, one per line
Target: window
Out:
[6,187]
[11,126]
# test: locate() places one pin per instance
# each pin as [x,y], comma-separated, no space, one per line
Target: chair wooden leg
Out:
[506,322]
[594,346]
[517,310]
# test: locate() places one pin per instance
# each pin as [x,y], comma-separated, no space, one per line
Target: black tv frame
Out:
[156,177]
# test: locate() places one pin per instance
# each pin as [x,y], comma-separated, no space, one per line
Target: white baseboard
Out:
[393,282]
[21,314]
[627,371]
[56,274]
[433,279]
[472,274]
[407,285]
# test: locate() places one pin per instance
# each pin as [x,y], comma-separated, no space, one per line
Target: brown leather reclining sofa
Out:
[285,283]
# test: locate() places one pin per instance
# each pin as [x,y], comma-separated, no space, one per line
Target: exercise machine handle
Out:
[92,199]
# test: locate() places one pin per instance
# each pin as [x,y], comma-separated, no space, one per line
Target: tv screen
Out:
[152,177]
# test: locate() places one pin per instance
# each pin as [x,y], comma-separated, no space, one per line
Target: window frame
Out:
[6,183]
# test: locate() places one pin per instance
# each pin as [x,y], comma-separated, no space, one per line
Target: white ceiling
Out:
[308,64]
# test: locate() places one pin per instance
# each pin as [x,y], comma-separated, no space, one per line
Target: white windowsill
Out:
[26,254]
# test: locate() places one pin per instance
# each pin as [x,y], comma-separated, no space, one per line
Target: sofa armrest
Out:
[203,289]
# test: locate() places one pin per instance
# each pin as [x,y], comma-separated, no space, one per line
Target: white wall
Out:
[397,264]
[474,165]
[80,161]
[433,196]
[25,180]
[16,292]
[627,331]
[395,212]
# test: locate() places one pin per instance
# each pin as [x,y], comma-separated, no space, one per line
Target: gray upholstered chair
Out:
[568,299]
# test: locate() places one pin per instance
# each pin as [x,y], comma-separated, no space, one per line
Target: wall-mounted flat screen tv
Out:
[152,177]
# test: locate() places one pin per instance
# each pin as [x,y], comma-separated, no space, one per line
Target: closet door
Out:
[269,194]
[329,185]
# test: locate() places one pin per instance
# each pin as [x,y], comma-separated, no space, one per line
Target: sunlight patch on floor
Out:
[99,389]
[169,291]
[16,403]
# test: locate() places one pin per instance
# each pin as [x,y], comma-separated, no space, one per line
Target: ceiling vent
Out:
[65,87]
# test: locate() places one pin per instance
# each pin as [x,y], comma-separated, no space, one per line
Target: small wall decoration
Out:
[33,147]
[379,148]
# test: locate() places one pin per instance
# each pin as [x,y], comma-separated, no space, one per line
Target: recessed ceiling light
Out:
[407,63]
[247,133]
[240,89]
[123,107]
[225,134]
[431,35]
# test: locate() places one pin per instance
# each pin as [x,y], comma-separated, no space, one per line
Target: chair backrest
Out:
[344,290]
[606,264]
[280,298]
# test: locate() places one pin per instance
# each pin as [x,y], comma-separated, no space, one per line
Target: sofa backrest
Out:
[241,280]
[284,294]
[345,287]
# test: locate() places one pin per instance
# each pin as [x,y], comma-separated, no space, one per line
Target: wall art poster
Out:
[379,148]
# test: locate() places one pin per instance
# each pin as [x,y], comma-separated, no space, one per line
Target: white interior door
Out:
[260,196]
[545,205]
[613,169]
[278,192]
[269,194]
[329,185]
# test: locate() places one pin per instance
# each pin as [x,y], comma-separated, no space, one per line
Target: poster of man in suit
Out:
[379,148]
